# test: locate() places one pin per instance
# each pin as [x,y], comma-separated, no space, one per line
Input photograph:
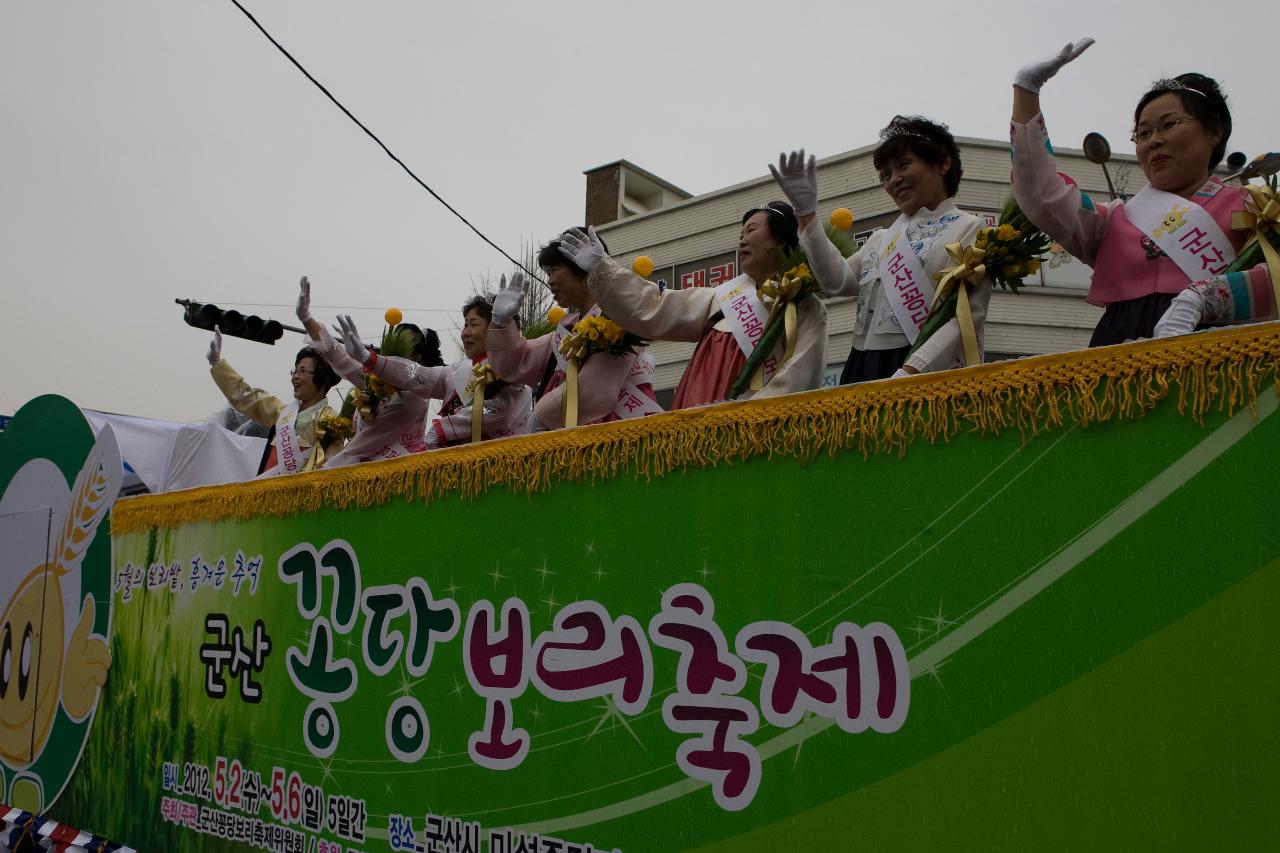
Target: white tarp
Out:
[166,456]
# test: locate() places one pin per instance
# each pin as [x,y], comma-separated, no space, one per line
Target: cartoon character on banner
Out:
[50,657]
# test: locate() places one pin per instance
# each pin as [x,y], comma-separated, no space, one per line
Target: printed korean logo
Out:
[58,488]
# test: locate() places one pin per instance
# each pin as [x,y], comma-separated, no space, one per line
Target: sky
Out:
[155,149]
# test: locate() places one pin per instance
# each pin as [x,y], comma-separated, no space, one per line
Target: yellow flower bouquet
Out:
[591,335]
[782,293]
[1005,253]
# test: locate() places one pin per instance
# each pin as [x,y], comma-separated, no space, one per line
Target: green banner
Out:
[1063,642]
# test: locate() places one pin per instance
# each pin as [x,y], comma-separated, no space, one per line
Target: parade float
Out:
[1024,605]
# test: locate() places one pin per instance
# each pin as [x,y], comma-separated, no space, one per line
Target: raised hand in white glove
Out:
[1035,74]
[351,342]
[1184,313]
[303,308]
[585,250]
[215,347]
[798,179]
[506,304]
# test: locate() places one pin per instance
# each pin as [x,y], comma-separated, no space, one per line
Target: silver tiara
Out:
[1171,85]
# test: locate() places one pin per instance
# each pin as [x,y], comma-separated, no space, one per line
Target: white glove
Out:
[900,374]
[303,308]
[215,347]
[1034,75]
[798,180]
[355,348]
[585,250]
[509,299]
[1184,313]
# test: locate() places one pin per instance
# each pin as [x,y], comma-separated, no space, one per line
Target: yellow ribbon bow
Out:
[968,271]
[363,403]
[1260,216]
[783,293]
[574,348]
[316,460]
[482,376]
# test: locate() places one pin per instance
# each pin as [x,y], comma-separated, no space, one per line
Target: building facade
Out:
[693,242]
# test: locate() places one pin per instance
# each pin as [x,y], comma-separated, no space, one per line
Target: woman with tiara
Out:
[892,274]
[1167,249]
[724,321]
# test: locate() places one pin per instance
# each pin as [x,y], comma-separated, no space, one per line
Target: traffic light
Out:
[203,315]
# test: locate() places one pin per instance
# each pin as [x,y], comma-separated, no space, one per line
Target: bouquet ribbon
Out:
[968,270]
[575,348]
[784,294]
[482,376]
[571,392]
[316,460]
[1262,216]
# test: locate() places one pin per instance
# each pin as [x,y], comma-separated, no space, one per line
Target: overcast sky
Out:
[153,149]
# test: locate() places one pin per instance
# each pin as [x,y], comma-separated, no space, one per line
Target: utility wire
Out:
[343,307]
[381,144]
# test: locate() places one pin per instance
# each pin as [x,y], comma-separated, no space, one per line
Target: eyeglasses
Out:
[301,371]
[1142,133]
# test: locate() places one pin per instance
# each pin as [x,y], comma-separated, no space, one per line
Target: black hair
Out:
[929,140]
[426,345]
[324,375]
[1203,100]
[551,256]
[782,222]
[481,304]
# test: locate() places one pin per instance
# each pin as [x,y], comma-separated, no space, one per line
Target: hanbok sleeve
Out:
[430,383]
[803,371]
[599,381]
[502,414]
[1056,207]
[337,357]
[836,274]
[254,403]
[1237,297]
[516,359]
[639,307]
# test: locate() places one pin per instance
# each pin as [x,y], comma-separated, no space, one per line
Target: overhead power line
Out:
[381,144]
[341,307]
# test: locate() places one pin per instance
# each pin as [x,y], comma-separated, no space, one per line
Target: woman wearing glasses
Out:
[892,273]
[1173,237]
[294,420]
[725,321]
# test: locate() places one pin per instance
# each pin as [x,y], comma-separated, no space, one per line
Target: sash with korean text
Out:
[907,286]
[747,315]
[1186,232]
[633,402]
[290,456]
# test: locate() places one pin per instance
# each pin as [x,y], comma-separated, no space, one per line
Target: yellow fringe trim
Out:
[1220,370]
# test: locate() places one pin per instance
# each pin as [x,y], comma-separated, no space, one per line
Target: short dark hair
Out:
[551,256]
[481,304]
[782,222]
[929,140]
[324,376]
[426,346]
[1203,100]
